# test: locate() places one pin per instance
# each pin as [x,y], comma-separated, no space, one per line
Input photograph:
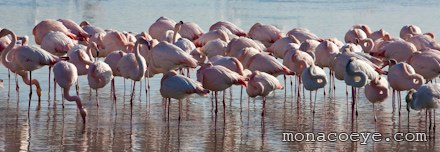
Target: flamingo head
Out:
[410,98]
[83,113]
[178,26]
[84,23]
[4,32]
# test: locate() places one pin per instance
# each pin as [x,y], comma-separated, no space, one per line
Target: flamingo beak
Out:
[242,82]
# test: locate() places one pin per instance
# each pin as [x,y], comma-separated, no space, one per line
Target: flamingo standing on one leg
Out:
[66,76]
[261,84]
[99,74]
[178,87]
[377,91]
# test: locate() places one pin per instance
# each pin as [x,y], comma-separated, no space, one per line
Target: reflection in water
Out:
[239,127]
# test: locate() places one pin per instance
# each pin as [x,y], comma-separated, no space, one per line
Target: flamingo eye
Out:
[357,79]
[415,81]
[381,92]
[319,80]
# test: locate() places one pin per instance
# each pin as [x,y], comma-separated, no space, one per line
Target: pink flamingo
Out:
[189,47]
[57,43]
[365,28]
[408,31]
[266,34]
[41,29]
[74,28]
[66,75]
[376,92]
[158,28]
[357,74]
[113,41]
[426,63]
[99,75]
[402,76]
[211,35]
[90,29]
[214,48]
[26,58]
[173,85]
[132,66]
[230,26]
[191,31]
[309,47]
[297,61]
[263,62]
[236,46]
[426,97]
[262,84]
[425,41]
[379,34]
[303,34]
[322,52]
[398,50]
[81,56]
[112,60]
[279,47]
[218,78]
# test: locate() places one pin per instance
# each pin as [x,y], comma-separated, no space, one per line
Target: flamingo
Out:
[99,74]
[426,97]
[402,77]
[379,34]
[266,34]
[227,31]
[303,34]
[357,74]
[365,28]
[158,28]
[426,63]
[26,58]
[132,66]
[214,48]
[66,75]
[376,92]
[211,35]
[256,61]
[279,47]
[112,60]
[309,47]
[189,47]
[297,61]
[424,41]
[322,52]
[230,26]
[398,50]
[191,31]
[408,31]
[218,78]
[90,29]
[354,34]
[313,78]
[113,41]
[261,84]
[74,28]
[57,43]
[236,46]
[173,85]
[41,29]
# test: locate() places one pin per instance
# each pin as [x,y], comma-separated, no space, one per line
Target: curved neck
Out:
[72,98]
[141,71]
[89,52]
[5,52]
[315,77]
[416,81]
[353,74]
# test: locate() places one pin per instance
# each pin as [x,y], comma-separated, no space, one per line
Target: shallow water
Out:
[118,127]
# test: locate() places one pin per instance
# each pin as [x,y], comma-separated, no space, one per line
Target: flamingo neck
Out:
[141,71]
[5,52]
[68,97]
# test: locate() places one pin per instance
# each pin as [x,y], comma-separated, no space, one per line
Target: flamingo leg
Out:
[132,94]
[77,88]
[169,103]
[97,98]
[48,80]
[17,88]
[374,111]
[54,89]
[400,102]
[30,87]
[264,107]
[314,103]
[9,82]
[180,104]
[216,102]
[224,104]
[353,102]
[285,88]
[434,122]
